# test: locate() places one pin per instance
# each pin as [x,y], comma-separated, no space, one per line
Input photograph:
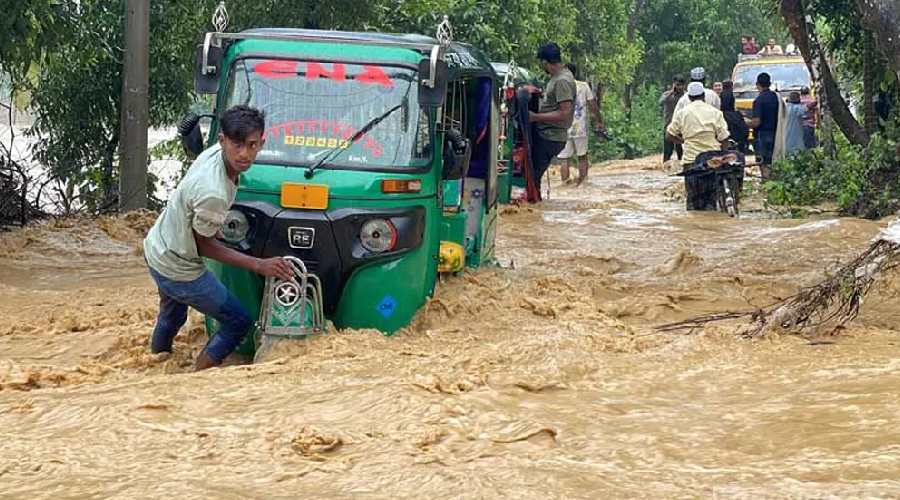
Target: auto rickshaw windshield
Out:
[314,107]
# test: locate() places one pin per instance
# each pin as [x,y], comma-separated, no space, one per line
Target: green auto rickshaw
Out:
[380,160]
[509,163]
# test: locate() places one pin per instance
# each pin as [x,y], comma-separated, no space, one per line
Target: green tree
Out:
[681,34]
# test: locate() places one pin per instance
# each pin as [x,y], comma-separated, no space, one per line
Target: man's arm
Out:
[722,133]
[211,248]
[561,116]
[673,131]
[674,139]
[755,121]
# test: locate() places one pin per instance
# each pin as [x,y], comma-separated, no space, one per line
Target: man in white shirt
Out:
[699,126]
[186,232]
[577,144]
[771,49]
[699,75]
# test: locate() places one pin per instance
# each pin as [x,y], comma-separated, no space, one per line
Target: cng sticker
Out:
[387,306]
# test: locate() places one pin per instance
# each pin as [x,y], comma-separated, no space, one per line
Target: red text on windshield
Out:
[276,68]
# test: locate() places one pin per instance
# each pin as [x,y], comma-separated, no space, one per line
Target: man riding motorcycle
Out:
[713,177]
[698,126]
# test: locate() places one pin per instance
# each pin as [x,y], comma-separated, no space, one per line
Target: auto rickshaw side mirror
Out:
[432,83]
[191,136]
[207,63]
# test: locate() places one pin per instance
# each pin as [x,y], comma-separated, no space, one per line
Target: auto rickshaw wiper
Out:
[359,133]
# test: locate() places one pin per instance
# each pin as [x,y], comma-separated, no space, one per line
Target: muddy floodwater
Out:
[542,378]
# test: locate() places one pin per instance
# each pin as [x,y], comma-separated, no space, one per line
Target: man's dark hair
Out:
[678,79]
[764,80]
[727,85]
[240,121]
[550,52]
[574,69]
[697,97]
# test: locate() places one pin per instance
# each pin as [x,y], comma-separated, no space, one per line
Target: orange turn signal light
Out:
[401,186]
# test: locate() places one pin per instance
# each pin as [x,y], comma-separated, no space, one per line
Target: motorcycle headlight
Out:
[236,226]
[378,236]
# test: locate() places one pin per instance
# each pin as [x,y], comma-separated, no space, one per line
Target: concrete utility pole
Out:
[135,107]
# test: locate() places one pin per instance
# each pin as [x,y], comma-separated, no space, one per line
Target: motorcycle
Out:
[714,182]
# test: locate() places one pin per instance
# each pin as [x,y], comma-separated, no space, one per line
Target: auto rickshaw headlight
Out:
[236,226]
[378,235]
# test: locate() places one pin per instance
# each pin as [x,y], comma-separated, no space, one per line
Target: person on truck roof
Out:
[771,49]
[699,75]
[748,45]
[186,231]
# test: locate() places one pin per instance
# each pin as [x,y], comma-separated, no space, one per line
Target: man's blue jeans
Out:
[207,295]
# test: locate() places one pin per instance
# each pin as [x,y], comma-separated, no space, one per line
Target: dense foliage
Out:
[679,35]
[862,181]
[631,135]
[67,57]
[863,177]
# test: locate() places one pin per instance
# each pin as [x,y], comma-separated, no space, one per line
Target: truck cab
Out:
[789,73]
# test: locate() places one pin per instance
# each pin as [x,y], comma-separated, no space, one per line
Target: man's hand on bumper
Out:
[275,267]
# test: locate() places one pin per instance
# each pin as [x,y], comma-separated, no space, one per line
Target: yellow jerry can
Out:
[452,257]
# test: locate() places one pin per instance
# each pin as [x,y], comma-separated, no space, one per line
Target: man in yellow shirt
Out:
[699,126]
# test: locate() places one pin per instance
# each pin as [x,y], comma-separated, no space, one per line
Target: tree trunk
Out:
[805,38]
[868,104]
[883,18]
[630,30]
[135,107]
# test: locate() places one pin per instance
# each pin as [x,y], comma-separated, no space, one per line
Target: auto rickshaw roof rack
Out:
[443,37]
[462,59]
[459,57]
[419,43]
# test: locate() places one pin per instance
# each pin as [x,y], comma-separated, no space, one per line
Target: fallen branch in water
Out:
[696,322]
[831,303]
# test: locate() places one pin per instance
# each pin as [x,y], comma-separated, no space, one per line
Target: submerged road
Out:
[543,378]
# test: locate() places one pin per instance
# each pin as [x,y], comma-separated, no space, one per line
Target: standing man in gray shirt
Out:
[555,111]
[668,100]
[186,232]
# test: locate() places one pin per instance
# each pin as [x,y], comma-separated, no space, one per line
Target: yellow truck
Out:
[789,73]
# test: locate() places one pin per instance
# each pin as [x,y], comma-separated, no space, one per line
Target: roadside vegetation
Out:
[861,181]
[857,165]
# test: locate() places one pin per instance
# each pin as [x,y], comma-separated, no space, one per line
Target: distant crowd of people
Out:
[561,122]
[699,119]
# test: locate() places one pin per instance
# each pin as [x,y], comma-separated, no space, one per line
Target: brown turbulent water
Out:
[543,378]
